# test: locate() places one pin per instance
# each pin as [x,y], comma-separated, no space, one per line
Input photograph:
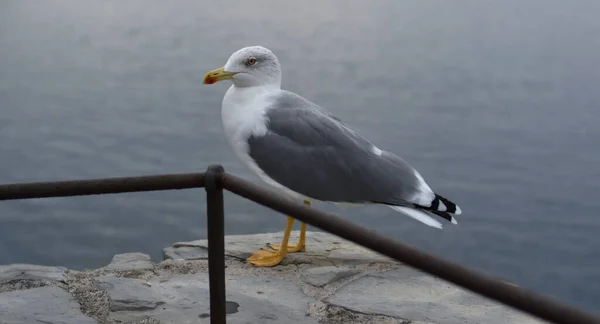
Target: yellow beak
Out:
[217,75]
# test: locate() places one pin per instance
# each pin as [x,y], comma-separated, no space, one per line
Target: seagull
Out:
[303,151]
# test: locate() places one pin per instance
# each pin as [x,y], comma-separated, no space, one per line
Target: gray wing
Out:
[312,153]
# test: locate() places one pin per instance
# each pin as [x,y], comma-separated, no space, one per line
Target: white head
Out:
[249,67]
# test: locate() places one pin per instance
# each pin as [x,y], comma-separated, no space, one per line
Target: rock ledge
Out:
[334,282]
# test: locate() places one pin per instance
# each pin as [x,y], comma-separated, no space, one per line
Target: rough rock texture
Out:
[41,305]
[324,250]
[93,300]
[27,276]
[321,276]
[412,295]
[129,293]
[32,272]
[130,261]
[334,282]
[184,299]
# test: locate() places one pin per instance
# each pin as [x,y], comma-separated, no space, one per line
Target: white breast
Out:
[243,114]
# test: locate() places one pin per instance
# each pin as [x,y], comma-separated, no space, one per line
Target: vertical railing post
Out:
[216,243]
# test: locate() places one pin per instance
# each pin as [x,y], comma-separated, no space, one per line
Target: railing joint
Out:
[214,176]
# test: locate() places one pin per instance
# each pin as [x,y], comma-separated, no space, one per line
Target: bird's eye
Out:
[251,61]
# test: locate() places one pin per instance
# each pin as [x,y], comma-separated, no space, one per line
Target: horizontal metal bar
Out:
[101,186]
[505,293]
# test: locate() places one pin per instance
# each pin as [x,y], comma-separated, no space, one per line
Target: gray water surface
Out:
[495,103]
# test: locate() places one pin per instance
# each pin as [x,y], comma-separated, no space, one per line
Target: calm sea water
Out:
[495,103]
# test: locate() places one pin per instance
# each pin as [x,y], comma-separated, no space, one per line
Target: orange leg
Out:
[301,246]
[277,252]
[269,258]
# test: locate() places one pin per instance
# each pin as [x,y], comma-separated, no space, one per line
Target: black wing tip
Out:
[450,207]
[443,208]
[443,215]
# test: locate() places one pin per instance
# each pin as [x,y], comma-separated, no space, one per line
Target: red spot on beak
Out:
[209,80]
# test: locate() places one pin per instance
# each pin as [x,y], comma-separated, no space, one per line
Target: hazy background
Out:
[495,103]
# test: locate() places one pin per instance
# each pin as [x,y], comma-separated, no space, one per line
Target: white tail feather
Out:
[458,211]
[418,215]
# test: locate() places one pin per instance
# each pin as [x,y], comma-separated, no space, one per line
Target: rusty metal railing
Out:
[215,180]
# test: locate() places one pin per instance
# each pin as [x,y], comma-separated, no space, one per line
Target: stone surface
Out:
[32,272]
[322,249]
[251,300]
[130,261]
[322,276]
[412,295]
[335,282]
[129,293]
[48,305]
[183,252]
